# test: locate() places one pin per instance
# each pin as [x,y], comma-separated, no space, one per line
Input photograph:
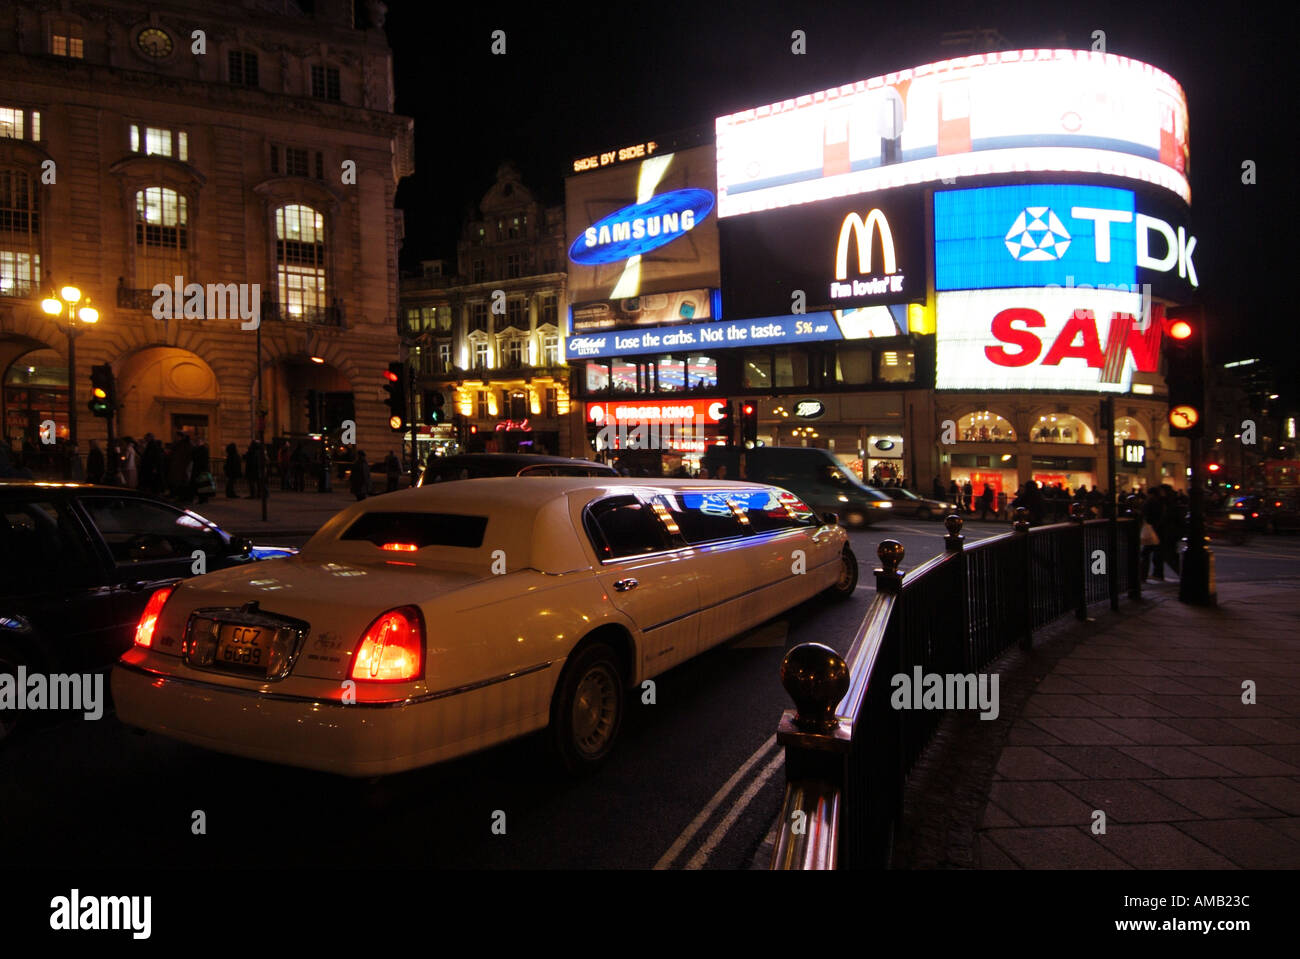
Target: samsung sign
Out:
[641,227]
[1059,235]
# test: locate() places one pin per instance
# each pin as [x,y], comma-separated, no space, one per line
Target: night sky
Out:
[581,77]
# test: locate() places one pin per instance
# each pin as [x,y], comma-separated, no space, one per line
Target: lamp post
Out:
[70,299]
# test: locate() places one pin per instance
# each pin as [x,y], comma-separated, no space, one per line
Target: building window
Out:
[548,311]
[597,378]
[66,39]
[413,320]
[670,374]
[517,313]
[514,353]
[757,370]
[484,408]
[444,357]
[548,265]
[19,124]
[161,236]
[701,373]
[896,366]
[242,68]
[552,402]
[513,263]
[790,368]
[479,271]
[325,83]
[478,316]
[159,141]
[985,426]
[295,162]
[300,260]
[320,165]
[516,227]
[853,365]
[1061,428]
[442,319]
[481,349]
[551,350]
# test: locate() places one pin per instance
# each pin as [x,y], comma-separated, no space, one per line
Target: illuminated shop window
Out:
[623,376]
[597,377]
[1127,428]
[984,426]
[702,372]
[1061,428]
[671,374]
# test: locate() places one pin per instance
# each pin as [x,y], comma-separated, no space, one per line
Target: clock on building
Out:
[154,42]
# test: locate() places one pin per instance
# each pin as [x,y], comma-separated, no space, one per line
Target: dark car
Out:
[1265,513]
[907,503]
[477,465]
[79,562]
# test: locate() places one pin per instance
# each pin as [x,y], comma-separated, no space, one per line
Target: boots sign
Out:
[1067,339]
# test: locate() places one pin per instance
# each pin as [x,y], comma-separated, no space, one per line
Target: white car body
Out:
[500,620]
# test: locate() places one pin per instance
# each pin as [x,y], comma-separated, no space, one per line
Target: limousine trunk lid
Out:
[337,601]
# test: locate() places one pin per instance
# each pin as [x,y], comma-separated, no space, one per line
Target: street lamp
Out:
[77,308]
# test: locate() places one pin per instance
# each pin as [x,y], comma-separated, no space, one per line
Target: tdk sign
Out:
[1055,235]
[641,227]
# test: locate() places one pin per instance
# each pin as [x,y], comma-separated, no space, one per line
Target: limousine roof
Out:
[531,519]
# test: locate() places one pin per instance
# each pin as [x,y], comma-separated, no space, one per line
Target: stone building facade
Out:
[251,148]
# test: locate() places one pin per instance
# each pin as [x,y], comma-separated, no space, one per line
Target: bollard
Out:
[816,678]
[888,578]
[954,540]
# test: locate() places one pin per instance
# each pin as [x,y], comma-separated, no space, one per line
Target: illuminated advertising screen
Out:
[994,113]
[871,321]
[641,227]
[840,254]
[652,309]
[1043,339]
[1060,235]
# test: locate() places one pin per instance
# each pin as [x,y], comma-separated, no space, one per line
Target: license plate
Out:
[239,645]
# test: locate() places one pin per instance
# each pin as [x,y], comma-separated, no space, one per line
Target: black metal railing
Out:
[849,748]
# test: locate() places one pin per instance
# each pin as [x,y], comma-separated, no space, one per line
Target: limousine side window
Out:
[770,510]
[704,517]
[624,526]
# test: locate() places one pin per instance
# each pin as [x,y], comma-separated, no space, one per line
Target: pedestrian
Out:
[253,465]
[986,501]
[202,483]
[232,470]
[359,482]
[130,463]
[954,494]
[938,489]
[95,465]
[967,497]
[393,469]
[1172,528]
[1152,520]
[282,463]
[180,469]
[298,468]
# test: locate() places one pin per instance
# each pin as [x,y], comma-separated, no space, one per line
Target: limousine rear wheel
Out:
[848,582]
[588,709]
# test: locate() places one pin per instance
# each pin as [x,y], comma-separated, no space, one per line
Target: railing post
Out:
[888,578]
[955,542]
[1020,526]
[1079,513]
[1133,534]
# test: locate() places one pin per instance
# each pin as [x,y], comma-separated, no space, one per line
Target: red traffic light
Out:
[1214,467]
[748,410]
[391,376]
[1180,330]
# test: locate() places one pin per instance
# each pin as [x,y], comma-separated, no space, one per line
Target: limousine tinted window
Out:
[624,526]
[769,510]
[703,517]
[419,529]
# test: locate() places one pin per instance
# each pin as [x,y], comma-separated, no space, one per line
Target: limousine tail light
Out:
[392,648]
[149,620]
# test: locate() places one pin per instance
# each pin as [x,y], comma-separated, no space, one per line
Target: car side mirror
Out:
[830,519]
[240,545]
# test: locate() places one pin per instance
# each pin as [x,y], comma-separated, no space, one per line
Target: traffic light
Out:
[726,425]
[749,424]
[396,390]
[433,404]
[1184,348]
[103,391]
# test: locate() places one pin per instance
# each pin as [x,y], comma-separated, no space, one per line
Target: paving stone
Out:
[1160,846]
[1268,729]
[1174,761]
[1100,762]
[1246,842]
[1126,706]
[1213,731]
[1148,732]
[1039,804]
[1026,733]
[1049,705]
[1210,798]
[991,857]
[994,816]
[1245,760]
[1080,731]
[1126,801]
[1280,792]
[1054,847]
[1030,762]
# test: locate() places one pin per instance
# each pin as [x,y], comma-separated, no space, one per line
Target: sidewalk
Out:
[287,513]
[1138,716]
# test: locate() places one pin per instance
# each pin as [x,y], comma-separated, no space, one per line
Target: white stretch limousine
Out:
[433,622]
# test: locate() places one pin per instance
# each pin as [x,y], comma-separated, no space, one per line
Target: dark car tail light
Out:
[149,619]
[392,648]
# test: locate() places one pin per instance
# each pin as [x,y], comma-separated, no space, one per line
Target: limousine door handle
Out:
[623,585]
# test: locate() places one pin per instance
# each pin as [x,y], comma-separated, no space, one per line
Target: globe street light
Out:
[78,308]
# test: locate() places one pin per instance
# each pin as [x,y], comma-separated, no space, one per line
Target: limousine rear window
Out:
[624,526]
[419,529]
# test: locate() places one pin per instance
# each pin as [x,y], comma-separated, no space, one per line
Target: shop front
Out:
[654,436]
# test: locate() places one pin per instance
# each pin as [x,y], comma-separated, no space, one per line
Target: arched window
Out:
[20,234]
[1060,428]
[984,426]
[1127,428]
[161,236]
[300,262]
